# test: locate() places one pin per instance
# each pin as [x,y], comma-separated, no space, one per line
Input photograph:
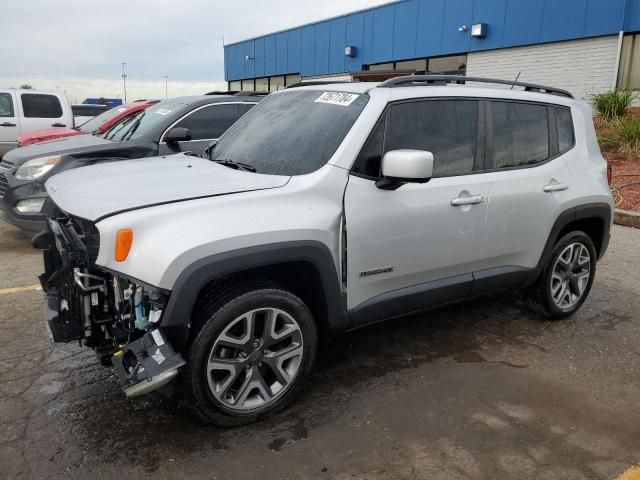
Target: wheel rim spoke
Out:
[233,367]
[248,385]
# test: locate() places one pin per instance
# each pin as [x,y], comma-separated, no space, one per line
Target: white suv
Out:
[324,209]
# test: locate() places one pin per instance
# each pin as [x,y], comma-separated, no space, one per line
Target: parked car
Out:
[95,126]
[324,209]
[187,124]
[83,113]
[24,111]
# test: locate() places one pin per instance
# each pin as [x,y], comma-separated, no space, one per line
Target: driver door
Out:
[416,246]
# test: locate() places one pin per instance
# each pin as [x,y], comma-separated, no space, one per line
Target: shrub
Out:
[608,142]
[629,136]
[611,106]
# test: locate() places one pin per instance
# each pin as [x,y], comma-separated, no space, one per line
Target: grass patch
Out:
[629,136]
[612,106]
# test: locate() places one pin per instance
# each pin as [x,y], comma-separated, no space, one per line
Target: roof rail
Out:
[245,93]
[312,83]
[422,80]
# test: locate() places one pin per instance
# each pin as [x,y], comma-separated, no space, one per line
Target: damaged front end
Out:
[118,317]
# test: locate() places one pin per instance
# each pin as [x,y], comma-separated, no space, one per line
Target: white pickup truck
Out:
[24,111]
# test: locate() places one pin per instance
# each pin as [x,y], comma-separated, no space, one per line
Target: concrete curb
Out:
[626,218]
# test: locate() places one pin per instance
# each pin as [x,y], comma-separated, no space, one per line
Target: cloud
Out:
[79,45]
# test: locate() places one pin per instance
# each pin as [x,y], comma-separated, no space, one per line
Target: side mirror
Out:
[405,166]
[209,150]
[178,134]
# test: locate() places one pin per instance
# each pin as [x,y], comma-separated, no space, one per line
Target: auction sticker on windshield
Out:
[337,98]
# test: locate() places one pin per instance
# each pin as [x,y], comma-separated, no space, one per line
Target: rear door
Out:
[529,180]
[9,122]
[206,123]
[41,110]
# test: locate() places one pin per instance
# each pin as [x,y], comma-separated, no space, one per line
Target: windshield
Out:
[139,124]
[292,133]
[91,126]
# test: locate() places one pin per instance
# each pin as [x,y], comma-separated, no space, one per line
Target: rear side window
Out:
[520,133]
[446,128]
[6,105]
[210,122]
[564,123]
[38,105]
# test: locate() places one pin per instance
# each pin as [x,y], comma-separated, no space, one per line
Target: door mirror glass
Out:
[404,166]
[178,134]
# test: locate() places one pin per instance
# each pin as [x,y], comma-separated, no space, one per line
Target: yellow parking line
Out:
[632,473]
[28,288]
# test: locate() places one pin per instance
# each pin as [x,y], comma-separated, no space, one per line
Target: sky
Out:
[78,46]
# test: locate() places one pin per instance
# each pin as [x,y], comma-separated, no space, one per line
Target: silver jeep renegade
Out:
[325,208]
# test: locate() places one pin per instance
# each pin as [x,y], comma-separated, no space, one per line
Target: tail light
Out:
[609,172]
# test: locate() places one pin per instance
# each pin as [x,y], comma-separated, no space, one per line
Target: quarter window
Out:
[6,105]
[564,124]
[368,162]
[446,128]
[210,122]
[38,105]
[520,134]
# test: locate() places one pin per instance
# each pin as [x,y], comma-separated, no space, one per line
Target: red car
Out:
[96,125]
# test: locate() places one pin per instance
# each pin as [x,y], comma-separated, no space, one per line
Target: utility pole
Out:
[124,81]
[166,86]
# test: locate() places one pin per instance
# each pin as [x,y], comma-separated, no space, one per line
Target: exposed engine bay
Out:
[117,317]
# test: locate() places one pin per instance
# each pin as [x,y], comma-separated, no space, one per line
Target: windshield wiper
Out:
[237,165]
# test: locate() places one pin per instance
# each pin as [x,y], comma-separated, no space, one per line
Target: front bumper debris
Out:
[146,364]
[120,319]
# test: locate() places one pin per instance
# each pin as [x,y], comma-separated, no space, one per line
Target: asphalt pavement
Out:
[479,390]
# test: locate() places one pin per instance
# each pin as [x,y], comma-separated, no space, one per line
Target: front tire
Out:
[567,278]
[257,345]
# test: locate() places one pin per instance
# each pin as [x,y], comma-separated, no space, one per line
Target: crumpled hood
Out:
[102,190]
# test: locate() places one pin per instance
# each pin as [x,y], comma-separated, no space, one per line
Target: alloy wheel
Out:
[255,359]
[571,274]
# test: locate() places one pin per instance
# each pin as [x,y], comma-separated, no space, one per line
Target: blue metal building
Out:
[462,35]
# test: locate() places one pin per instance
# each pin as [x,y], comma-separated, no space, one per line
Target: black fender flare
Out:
[187,288]
[601,211]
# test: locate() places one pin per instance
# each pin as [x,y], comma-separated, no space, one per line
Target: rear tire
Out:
[257,345]
[566,280]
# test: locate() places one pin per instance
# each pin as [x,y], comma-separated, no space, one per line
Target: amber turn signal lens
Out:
[124,240]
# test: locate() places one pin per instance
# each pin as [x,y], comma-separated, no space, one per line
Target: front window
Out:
[210,122]
[292,133]
[6,105]
[446,128]
[141,123]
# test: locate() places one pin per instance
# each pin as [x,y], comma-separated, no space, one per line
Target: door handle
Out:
[556,187]
[472,200]
[58,125]
[7,124]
